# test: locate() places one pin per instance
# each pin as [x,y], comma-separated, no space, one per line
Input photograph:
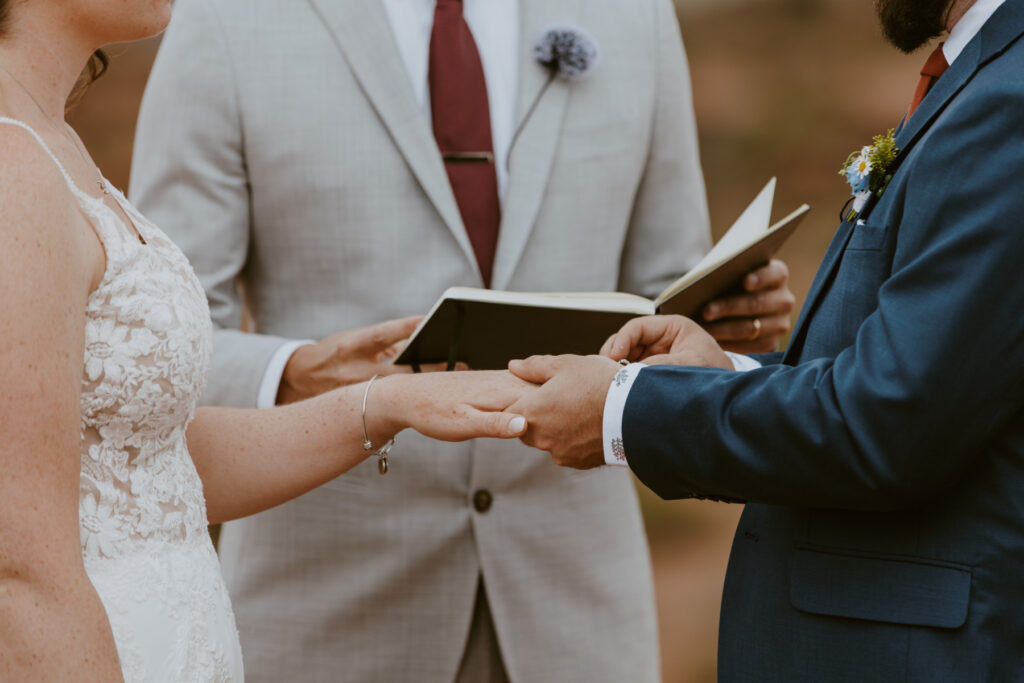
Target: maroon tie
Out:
[932,71]
[462,128]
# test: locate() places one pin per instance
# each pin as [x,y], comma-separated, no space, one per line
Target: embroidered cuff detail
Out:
[614,406]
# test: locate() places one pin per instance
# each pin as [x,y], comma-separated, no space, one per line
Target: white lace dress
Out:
[141,508]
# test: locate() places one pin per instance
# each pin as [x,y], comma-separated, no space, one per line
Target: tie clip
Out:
[468,157]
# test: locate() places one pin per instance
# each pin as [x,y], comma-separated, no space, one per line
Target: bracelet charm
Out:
[383,451]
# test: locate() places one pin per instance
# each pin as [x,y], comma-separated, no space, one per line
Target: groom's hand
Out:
[756,320]
[564,414]
[666,340]
[346,358]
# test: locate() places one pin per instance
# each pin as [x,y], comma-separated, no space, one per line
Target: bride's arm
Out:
[251,460]
[52,624]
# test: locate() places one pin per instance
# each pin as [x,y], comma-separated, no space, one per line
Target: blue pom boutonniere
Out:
[867,171]
[569,51]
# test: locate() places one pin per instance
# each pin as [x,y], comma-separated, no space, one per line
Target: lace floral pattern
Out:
[147,350]
[141,507]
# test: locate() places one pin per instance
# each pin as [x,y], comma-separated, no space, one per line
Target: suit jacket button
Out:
[482,500]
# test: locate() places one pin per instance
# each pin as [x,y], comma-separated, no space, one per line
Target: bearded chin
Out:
[909,24]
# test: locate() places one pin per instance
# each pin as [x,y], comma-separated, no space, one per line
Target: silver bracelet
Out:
[382,452]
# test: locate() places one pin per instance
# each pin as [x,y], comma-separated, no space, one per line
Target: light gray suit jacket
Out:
[281,145]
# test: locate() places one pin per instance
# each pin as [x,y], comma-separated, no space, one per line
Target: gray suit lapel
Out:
[364,36]
[540,110]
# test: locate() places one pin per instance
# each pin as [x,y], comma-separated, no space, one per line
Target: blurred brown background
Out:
[782,87]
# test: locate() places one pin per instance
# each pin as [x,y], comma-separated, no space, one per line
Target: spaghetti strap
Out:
[102,218]
[82,196]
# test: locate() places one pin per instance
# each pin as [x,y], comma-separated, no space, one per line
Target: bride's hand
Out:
[451,406]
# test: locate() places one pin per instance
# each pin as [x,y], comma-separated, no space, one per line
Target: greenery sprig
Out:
[867,170]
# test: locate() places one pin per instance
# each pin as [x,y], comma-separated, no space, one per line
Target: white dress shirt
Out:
[615,401]
[968,26]
[495,28]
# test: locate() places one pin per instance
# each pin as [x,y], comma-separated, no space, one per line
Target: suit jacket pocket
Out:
[867,237]
[892,590]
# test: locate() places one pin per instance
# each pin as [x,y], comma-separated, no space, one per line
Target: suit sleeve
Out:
[769,358]
[933,381]
[189,177]
[669,228]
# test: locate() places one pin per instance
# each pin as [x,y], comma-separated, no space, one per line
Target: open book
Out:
[486,328]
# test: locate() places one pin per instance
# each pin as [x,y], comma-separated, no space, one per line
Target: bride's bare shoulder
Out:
[39,216]
[29,179]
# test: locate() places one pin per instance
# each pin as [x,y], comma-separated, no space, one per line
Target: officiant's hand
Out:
[757,320]
[347,358]
[666,340]
[564,415]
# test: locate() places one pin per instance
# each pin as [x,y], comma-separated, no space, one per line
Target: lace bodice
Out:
[142,515]
[147,351]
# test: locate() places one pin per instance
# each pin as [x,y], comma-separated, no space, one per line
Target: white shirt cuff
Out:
[614,406]
[267,396]
[742,363]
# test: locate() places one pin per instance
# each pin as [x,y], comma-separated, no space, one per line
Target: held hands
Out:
[346,358]
[564,414]
[554,403]
[755,321]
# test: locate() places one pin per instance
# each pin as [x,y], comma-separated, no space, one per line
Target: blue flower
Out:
[858,182]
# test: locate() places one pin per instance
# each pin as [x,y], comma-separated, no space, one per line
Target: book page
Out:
[583,301]
[748,228]
[730,272]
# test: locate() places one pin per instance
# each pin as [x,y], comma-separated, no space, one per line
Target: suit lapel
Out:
[540,110]
[1002,29]
[363,34]
[947,87]
[998,33]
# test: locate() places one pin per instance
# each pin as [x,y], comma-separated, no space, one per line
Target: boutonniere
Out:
[867,171]
[569,51]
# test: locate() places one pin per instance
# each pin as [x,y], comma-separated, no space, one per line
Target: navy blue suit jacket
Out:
[883,457]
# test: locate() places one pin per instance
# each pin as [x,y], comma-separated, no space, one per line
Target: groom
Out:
[882,457]
[300,157]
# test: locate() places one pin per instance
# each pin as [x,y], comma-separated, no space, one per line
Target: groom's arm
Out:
[936,374]
[934,379]
[189,177]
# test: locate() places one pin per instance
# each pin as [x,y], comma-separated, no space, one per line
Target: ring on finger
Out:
[757,330]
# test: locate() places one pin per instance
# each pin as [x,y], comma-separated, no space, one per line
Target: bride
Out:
[106,569]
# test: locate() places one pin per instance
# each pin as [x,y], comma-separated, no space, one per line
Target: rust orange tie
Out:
[462,127]
[932,71]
